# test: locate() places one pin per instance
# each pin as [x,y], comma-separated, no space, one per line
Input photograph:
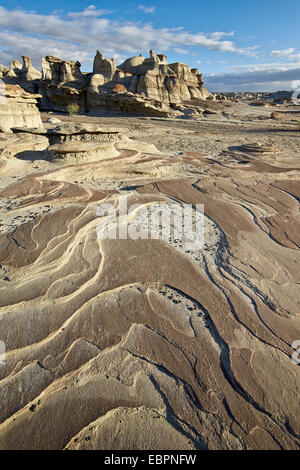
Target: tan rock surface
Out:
[18,109]
[80,152]
[12,144]
[122,338]
[129,429]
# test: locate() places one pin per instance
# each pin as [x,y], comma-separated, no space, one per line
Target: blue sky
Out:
[250,45]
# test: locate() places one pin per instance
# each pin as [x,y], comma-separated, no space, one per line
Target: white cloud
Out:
[273,67]
[263,77]
[77,35]
[294,57]
[219,34]
[91,10]
[146,9]
[179,50]
[282,52]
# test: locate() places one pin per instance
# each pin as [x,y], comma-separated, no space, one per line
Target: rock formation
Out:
[147,79]
[28,72]
[62,83]
[158,81]
[60,72]
[82,152]
[14,68]
[26,75]
[138,86]
[13,144]
[105,67]
[3,70]
[259,148]
[18,108]
[76,143]
[83,133]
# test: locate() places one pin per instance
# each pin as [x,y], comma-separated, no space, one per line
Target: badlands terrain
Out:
[143,344]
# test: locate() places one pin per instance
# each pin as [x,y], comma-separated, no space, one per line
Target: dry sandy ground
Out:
[145,344]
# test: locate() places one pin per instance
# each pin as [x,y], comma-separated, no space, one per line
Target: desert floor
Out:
[148,344]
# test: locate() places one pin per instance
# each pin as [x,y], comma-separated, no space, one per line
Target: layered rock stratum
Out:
[18,108]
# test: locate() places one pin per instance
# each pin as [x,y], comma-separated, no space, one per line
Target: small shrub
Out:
[73,108]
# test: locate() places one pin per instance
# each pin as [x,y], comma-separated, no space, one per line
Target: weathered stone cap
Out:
[15,91]
[259,148]
[67,129]
[30,130]
[74,129]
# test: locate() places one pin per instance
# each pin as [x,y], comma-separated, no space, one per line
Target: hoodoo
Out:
[139,85]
